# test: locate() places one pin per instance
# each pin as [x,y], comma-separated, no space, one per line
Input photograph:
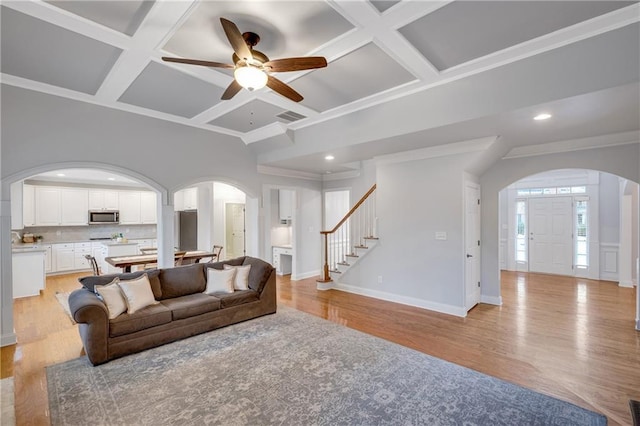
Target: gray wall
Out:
[609,208]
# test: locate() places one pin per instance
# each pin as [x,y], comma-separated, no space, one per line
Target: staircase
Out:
[350,240]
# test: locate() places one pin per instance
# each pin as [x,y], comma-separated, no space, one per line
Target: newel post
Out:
[326,277]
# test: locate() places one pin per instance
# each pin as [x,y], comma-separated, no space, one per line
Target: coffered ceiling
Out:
[380,54]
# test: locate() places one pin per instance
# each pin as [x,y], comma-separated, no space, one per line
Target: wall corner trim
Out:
[8,339]
[491,300]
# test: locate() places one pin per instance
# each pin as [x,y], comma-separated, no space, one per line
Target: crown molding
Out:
[276,171]
[473,145]
[570,145]
[340,175]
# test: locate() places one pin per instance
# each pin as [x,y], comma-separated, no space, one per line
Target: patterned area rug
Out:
[293,369]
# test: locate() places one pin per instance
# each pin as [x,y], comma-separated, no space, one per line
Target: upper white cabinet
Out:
[148,207]
[28,205]
[47,206]
[61,206]
[285,200]
[186,199]
[129,207]
[74,206]
[103,199]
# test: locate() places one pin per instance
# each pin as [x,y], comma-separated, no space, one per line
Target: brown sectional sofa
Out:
[184,310]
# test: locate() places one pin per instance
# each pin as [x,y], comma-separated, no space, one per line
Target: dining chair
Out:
[179,256]
[217,250]
[94,263]
[149,250]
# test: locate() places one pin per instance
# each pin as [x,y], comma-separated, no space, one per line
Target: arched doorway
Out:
[52,171]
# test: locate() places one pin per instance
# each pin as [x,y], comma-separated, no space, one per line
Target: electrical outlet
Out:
[379,279]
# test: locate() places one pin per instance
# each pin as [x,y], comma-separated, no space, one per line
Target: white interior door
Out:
[472,245]
[234,224]
[551,235]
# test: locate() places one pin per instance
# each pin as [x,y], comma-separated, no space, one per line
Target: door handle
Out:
[469,255]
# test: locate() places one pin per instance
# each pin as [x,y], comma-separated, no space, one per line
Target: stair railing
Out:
[350,233]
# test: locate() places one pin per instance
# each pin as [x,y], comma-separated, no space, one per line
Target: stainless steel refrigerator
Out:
[188,228]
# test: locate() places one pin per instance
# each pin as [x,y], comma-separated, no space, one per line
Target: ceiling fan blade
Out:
[284,89]
[197,62]
[231,91]
[236,39]
[296,64]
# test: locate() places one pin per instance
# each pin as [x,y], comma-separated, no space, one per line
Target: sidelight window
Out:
[521,231]
[581,232]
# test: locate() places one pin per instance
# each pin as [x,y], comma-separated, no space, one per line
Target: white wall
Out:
[416,199]
[307,223]
[223,194]
[609,208]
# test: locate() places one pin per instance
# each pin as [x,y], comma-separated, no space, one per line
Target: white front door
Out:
[550,235]
[472,245]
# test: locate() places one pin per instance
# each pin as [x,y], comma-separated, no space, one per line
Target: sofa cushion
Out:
[137,293]
[258,275]
[236,298]
[220,281]
[145,318]
[91,281]
[181,281]
[112,296]
[241,280]
[191,305]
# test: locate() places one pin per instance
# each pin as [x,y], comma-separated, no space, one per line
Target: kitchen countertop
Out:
[27,248]
[115,243]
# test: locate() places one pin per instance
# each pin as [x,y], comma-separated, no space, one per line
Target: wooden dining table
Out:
[126,262]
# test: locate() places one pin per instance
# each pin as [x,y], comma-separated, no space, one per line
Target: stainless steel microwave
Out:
[101,217]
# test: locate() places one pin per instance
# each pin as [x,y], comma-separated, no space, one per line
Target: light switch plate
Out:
[441,235]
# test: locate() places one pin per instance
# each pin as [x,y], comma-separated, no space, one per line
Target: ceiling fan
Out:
[252,67]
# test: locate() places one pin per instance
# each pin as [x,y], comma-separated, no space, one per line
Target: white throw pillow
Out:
[112,296]
[242,276]
[220,281]
[137,293]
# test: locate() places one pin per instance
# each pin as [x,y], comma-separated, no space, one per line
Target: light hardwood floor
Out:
[569,338]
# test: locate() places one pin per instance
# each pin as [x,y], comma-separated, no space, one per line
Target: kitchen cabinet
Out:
[48,258]
[28,205]
[96,251]
[144,243]
[148,207]
[185,199]
[282,260]
[111,249]
[61,206]
[80,250]
[64,256]
[74,206]
[17,221]
[129,207]
[103,199]
[285,204]
[47,206]
[28,272]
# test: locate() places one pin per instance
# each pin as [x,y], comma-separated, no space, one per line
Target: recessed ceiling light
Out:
[111,178]
[543,116]
[60,174]
[329,157]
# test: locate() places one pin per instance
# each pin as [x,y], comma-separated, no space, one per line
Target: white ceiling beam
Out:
[162,19]
[69,21]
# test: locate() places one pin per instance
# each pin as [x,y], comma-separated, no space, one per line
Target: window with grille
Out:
[521,231]
[582,246]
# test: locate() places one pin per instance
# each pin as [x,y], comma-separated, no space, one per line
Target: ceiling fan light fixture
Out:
[251,78]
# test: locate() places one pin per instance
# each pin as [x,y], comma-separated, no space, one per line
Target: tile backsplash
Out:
[52,234]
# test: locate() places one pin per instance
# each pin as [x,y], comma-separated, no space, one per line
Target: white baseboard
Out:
[304,275]
[405,300]
[8,339]
[638,324]
[491,300]
[628,284]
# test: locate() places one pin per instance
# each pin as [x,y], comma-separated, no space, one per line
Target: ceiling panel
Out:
[250,116]
[383,5]
[363,72]
[465,30]
[286,28]
[165,89]
[36,50]
[122,16]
